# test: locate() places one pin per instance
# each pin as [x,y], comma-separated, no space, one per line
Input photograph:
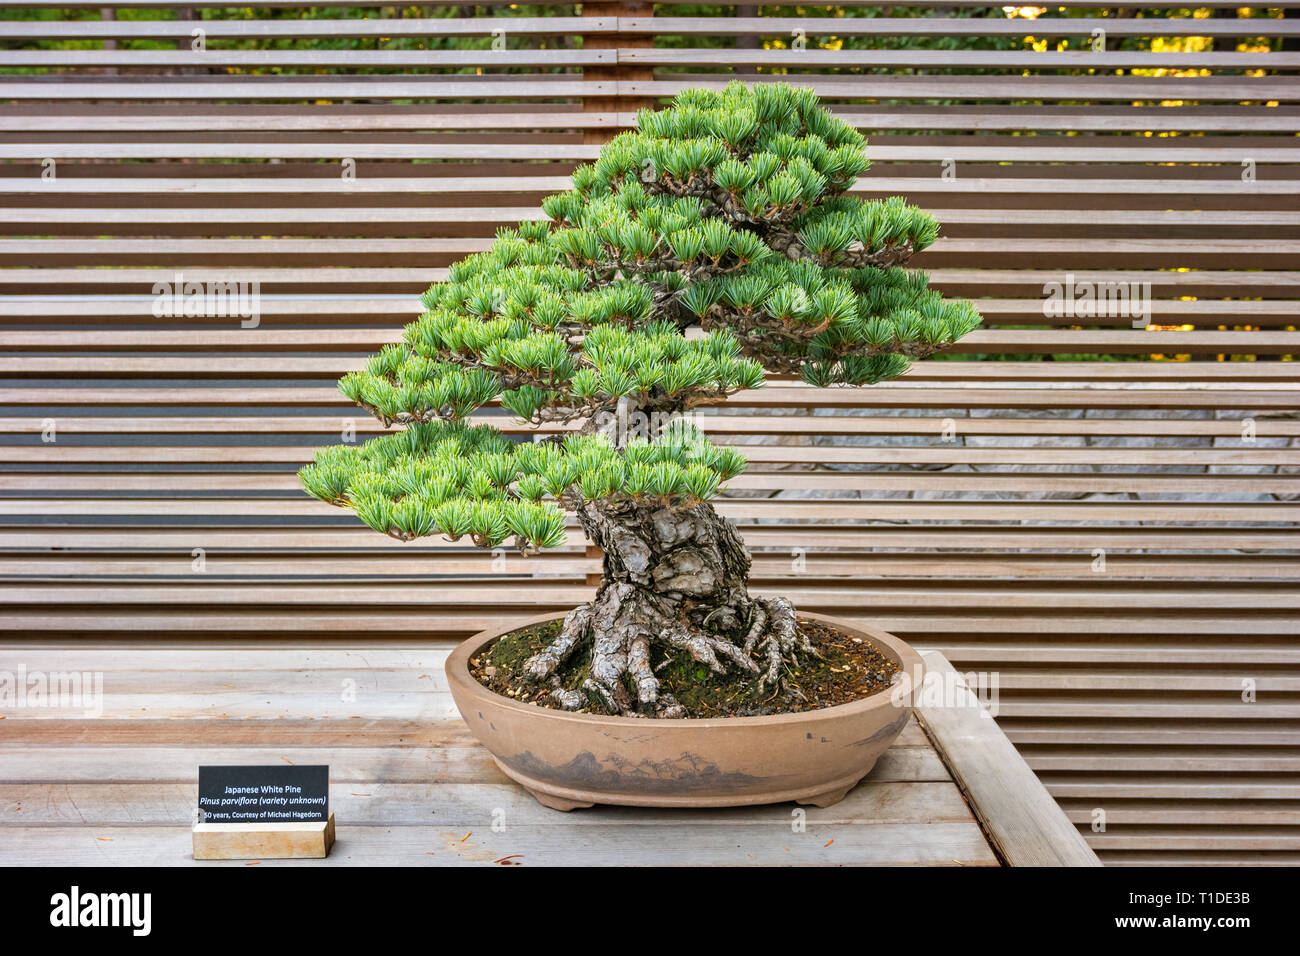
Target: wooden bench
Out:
[963,507]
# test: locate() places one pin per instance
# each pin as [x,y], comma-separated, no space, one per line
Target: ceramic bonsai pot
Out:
[569,760]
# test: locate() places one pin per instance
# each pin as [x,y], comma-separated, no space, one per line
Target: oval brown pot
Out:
[569,760]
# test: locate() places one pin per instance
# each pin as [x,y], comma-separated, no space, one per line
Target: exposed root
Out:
[758,624]
[638,665]
[604,681]
[543,664]
[567,699]
[705,648]
[781,637]
[624,621]
[669,708]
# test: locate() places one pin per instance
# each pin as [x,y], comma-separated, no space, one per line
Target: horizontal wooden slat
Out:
[814,58]
[1027,341]
[553,86]
[1011,485]
[1160,153]
[232,566]
[715,424]
[472,619]
[888,510]
[542,183]
[955,26]
[348,59]
[164,119]
[175,251]
[295,455]
[706,56]
[306,27]
[705,26]
[874,86]
[1035,394]
[162,87]
[199,594]
[820,537]
[161,118]
[401,307]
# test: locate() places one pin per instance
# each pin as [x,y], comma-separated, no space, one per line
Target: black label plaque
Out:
[264,794]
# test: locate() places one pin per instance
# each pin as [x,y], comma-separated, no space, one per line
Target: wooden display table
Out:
[410,786]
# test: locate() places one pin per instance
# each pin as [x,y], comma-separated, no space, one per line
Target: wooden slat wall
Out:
[1122,687]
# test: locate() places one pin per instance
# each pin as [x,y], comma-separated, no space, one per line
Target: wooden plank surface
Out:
[409,785]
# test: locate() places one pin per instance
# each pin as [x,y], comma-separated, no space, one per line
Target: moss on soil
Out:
[848,669]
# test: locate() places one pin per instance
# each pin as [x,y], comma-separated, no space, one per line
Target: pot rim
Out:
[909,661]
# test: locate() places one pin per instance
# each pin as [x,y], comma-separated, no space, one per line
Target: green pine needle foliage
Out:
[458,480]
[713,244]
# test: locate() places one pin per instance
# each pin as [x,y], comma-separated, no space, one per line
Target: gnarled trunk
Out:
[677,578]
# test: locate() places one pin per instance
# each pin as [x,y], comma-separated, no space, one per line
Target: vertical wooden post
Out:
[615,72]
[185,14]
[108,13]
[110,43]
[744,12]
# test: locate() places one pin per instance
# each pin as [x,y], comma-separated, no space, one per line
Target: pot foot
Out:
[827,798]
[557,803]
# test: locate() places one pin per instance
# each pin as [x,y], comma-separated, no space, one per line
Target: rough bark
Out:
[676,578]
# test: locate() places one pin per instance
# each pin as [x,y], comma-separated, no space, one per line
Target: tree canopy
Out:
[714,243]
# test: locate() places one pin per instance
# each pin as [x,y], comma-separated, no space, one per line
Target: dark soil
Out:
[848,669]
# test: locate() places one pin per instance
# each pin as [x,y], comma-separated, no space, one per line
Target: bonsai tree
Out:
[713,244]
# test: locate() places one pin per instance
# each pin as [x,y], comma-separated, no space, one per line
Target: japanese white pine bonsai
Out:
[712,244]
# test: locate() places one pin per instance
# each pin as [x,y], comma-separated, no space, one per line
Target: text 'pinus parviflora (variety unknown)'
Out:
[713,244]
